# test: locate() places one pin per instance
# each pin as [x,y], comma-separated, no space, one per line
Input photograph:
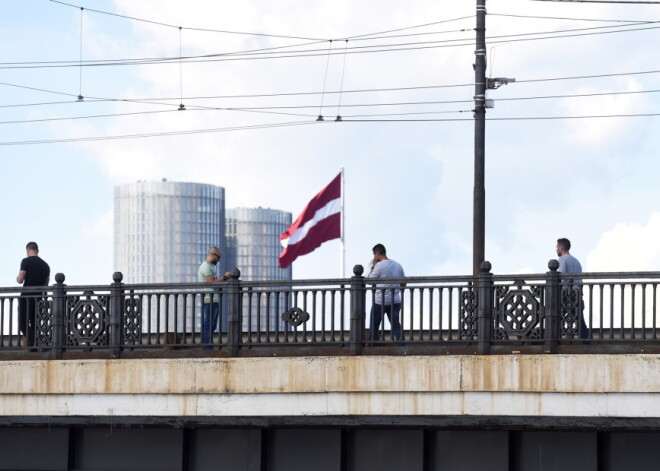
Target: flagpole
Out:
[342,248]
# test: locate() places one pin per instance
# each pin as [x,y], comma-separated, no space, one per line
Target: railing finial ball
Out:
[59,278]
[358,270]
[117,277]
[553,265]
[485,266]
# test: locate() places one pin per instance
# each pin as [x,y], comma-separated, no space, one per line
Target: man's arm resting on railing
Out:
[211,279]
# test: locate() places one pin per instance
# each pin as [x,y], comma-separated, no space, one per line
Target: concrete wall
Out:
[530,385]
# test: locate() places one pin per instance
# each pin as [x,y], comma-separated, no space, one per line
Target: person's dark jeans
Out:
[584,330]
[209,322]
[392,311]
[26,318]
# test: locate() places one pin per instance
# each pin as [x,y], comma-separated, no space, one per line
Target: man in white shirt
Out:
[387,299]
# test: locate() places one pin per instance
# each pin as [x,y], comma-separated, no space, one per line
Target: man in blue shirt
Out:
[572,303]
[387,299]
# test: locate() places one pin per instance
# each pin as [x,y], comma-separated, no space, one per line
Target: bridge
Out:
[491,371]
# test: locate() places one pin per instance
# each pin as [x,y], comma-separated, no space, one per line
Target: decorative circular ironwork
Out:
[295,316]
[88,319]
[519,312]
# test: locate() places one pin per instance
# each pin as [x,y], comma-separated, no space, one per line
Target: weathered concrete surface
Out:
[554,385]
[531,373]
[334,404]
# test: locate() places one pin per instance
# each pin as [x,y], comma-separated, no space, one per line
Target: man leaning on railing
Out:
[208,272]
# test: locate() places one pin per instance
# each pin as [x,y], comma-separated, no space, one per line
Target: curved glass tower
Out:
[253,242]
[253,245]
[164,229]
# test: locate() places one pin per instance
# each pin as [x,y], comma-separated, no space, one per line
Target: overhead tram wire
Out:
[604,1]
[138,61]
[141,60]
[318,41]
[67,118]
[280,36]
[208,30]
[518,118]
[303,123]
[396,47]
[158,134]
[412,113]
[539,17]
[269,109]
[159,100]
[581,77]
[361,36]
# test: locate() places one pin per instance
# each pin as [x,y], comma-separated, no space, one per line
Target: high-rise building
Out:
[253,245]
[164,229]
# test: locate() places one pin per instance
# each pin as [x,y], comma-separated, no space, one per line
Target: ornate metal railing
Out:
[541,313]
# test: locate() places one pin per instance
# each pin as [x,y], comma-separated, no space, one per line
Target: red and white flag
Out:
[319,222]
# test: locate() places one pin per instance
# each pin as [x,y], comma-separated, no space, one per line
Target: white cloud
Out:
[603,132]
[409,185]
[628,247]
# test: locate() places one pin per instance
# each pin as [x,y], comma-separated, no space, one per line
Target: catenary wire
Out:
[158,134]
[354,105]
[395,47]
[159,23]
[539,17]
[303,123]
[379,90]
[211,30]
[516,118]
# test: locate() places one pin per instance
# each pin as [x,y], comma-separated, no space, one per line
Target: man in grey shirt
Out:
[387,299]
[572,303]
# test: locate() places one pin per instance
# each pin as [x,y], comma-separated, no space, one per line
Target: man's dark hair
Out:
[564,244]
[379,249]
[32,246]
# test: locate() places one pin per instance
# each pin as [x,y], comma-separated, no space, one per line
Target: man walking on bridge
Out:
[571,293]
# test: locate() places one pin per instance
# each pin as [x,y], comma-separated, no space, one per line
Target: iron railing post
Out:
[358,297]
[116,313]
[552,308]
[58,316]
[484,308]
[234,305]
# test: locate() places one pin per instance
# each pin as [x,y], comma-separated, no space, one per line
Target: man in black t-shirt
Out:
[34,272]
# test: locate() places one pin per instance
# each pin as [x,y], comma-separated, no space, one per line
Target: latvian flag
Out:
[320,221]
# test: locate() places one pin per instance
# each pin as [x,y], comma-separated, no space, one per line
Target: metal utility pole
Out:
[479,212]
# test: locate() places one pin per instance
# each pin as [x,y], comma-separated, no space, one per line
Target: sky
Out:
[253,77]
